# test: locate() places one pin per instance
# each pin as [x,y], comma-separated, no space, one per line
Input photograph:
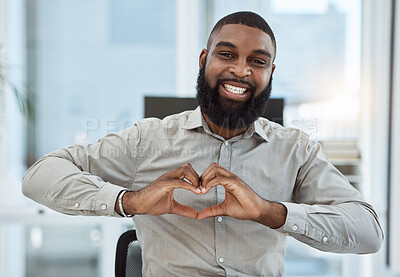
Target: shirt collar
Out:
[258,129]
[196,120]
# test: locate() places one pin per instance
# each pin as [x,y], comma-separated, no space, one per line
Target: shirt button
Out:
[324,239]
[104,207]
[295,228]
[221,260]
[219,219]
[76,205]
[226,143]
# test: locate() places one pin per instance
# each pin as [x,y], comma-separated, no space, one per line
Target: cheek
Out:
[264,78]
[211,75]
[261,82]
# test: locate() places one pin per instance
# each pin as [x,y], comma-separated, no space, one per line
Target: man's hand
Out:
[241,201]
[158,197]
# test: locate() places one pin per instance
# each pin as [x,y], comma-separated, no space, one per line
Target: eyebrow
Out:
[263,52]
[226,43]
[229,44]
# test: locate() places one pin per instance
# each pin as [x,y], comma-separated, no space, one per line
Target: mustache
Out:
[250,85]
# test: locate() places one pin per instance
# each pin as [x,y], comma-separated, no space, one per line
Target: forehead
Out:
[243,36]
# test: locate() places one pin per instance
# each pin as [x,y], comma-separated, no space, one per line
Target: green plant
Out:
[24,99]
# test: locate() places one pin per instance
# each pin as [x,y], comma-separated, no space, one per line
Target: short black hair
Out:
[247,18]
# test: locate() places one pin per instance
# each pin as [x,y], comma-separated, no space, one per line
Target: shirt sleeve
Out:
[85,180]
[327,212]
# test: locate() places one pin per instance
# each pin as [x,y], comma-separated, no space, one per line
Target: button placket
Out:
[220,239]
[220,225]
[224,161]
[225,155]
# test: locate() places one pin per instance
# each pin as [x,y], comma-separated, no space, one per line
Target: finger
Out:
[210,168]
[180,184]
[183,210]
[213,171]
[212,211]
[187,172]
[219,180]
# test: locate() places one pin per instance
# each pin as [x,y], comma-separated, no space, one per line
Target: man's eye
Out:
[226,55]
[259,62]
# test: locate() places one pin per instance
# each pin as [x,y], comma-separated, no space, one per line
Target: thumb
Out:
[212,211]
[183,210]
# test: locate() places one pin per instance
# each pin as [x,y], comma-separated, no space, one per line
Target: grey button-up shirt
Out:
[280,164]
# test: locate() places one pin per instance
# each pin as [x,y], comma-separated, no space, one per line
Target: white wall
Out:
[187,46]
[395,158]
[375,84]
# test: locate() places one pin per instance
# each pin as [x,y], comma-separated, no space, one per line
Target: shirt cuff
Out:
[106,199]
[296,219]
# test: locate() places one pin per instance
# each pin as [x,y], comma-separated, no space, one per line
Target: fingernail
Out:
[203,189]
[198,190]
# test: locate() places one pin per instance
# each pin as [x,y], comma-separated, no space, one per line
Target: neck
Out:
[223,132]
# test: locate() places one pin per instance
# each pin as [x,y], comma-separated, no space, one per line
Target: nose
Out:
[240,69]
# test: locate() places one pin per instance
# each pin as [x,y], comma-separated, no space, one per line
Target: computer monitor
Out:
[161,107]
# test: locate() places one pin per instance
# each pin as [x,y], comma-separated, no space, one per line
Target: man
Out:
[214,191]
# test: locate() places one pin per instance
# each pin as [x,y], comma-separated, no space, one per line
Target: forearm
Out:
[62,186]
[343,228]
[127,202]
[273,215]
[84,179]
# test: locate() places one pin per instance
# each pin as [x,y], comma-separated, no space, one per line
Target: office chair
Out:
[128,258]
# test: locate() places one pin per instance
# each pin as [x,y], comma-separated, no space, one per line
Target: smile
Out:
[235,90]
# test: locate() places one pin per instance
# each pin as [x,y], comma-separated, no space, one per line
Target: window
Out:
[93,63]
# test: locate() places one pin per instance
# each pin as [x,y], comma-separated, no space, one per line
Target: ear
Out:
[273,68]
[202,57]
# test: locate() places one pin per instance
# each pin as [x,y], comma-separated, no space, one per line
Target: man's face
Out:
[237,70]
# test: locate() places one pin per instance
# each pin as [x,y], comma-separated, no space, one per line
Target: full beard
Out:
[227,113]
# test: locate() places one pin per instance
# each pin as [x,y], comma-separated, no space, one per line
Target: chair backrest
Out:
[128,258]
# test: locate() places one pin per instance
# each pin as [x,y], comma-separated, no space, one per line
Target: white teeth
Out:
[234,89]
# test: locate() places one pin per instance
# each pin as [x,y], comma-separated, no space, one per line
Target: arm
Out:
[84,180]
[327,213]
[351,227]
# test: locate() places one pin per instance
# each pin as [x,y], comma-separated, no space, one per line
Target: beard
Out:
[227,113]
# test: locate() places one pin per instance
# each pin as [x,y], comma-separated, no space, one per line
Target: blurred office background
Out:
[89,63]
